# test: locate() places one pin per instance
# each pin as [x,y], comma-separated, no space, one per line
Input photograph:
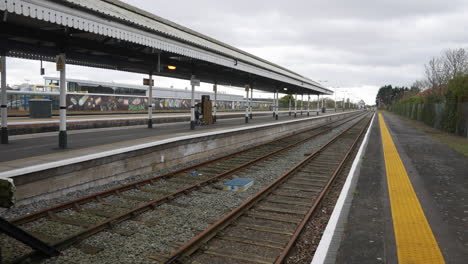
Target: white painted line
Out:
[325,242]
[49,165]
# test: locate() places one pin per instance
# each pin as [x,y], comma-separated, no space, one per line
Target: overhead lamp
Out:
[285,89]
[171,67]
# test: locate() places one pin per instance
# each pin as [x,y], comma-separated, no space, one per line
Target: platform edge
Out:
[341,210]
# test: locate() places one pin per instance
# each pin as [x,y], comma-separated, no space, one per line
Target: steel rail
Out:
[322,194]
[93,197]
[110,222]
[194,244]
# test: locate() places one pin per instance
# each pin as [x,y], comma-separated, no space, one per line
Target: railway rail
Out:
[264,228]
[126,202]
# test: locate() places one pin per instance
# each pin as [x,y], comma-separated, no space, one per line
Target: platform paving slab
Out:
[439,178]
[47,144]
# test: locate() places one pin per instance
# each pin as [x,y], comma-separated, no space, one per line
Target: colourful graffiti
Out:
[105,103]
[102,103]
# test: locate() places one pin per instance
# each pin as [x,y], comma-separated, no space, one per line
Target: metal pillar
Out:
[318,104]
[308,104]
[302,102]
[150,102]
[277,105]
[61,66]
[251,103]
[274,104]
[3,103]
[334,99]
[215,90]
[246,104]
[192,104]
[295,105]
[290,97]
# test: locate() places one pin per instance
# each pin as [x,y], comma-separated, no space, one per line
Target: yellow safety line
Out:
[415,241]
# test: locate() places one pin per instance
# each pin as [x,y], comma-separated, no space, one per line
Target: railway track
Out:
[95,213]
[264,228]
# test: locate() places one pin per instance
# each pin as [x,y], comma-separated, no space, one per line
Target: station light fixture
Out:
[171,67]
[285,89]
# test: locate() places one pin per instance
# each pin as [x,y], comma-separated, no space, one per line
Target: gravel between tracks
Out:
[170,225]
[42,204]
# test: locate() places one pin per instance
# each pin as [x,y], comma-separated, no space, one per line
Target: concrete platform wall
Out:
[58,181]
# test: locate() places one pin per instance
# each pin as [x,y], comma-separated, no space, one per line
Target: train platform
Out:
[26,125]
[18,120]
[404,201]
[30,145]
[95,156]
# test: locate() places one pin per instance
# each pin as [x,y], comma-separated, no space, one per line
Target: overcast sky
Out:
[355,45]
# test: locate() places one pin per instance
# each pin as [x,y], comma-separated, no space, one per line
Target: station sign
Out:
[147,82]
[60,62]
[215,88]
[194,82]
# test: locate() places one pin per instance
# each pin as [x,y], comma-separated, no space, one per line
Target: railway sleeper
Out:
[307,195]
[311,182]
[267,229]
[71,221]
[302,188]
[280,210]
[285,201]
[275,217]
[255,242]
[242,255]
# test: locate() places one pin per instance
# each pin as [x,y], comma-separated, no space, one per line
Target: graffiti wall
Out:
[102,103]
[105,103]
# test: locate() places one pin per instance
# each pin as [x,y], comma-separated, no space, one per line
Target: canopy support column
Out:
[215,90]
[251,103]
[4,110]
[192,103]
[277,105]
[308,104]
[150,101]
[295,105]
[246,104]
[302,103]
[274,104]
[318,104]
[61,66]
[290,98]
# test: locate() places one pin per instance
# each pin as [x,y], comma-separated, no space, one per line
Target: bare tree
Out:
[421,85]
[440,70]
[434,72]
[455,62]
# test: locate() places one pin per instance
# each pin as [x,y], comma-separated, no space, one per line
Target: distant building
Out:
[361,104]
[85,86]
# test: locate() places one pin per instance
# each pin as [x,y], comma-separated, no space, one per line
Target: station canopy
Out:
[113,35]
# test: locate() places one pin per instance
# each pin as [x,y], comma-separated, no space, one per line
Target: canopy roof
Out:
[114,35]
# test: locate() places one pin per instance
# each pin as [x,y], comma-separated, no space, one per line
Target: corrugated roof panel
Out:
[200,47]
